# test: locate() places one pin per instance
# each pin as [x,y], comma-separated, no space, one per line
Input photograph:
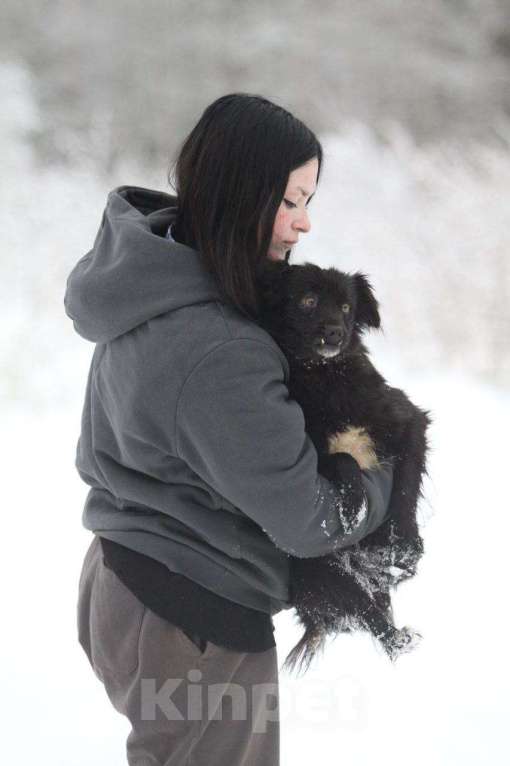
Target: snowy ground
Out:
[445,704]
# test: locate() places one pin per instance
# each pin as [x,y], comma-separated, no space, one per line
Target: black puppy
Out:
[317,317]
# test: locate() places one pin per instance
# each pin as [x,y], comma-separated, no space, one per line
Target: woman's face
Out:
[292,216]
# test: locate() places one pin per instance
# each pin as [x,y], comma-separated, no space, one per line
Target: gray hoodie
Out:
[194,453]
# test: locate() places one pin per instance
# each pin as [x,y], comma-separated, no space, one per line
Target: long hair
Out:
[230,175]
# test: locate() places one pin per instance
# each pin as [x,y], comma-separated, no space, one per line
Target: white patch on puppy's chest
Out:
[357,443]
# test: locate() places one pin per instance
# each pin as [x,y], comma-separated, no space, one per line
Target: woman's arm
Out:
[239,430]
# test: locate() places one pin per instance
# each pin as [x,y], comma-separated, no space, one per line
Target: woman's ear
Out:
[367,307]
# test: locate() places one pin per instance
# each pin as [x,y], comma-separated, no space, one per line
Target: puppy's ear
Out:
[367,311]
[270,279]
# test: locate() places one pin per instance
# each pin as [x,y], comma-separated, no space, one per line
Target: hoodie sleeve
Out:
[239,430]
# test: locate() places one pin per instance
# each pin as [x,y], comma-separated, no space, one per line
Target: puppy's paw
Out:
[357,443]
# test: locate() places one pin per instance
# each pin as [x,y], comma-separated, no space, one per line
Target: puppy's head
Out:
[315,314]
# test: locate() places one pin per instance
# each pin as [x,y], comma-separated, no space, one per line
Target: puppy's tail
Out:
[305,650]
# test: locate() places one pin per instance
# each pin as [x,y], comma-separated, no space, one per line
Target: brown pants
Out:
[187,707]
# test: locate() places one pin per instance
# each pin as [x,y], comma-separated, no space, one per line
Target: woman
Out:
[203,479]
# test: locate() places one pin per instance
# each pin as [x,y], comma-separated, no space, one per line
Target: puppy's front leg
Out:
[357,443]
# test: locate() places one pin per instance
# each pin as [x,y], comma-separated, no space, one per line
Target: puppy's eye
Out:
[346,308]
[309,302]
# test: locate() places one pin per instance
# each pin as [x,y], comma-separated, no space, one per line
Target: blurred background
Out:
[411,101]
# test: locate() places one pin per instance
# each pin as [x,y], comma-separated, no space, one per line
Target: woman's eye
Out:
[346,308]
[289,203]
[309,302]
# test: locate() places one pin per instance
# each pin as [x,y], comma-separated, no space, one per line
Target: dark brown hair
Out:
[230,174]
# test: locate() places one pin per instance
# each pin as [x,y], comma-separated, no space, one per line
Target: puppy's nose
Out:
[333,334]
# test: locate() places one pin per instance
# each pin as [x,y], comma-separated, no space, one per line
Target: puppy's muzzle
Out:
[330,342]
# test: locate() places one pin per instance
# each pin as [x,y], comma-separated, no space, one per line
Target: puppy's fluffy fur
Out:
[317,317]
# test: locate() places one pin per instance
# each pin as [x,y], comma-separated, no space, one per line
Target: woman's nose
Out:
[303,222]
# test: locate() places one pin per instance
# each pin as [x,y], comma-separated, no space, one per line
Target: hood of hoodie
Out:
[133,273]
